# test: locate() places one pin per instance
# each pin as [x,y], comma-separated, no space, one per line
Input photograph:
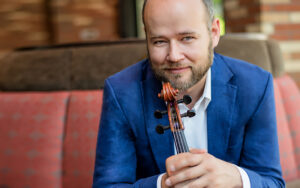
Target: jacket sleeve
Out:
[115,164]
[260,155]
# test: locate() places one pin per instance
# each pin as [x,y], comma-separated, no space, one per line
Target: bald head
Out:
[208,5]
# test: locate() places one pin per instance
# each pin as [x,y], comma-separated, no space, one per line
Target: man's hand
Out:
[200,169]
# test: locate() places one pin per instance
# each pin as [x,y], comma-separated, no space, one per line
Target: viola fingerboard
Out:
[180,141]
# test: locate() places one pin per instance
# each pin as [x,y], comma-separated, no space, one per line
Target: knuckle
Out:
[178,186]
[208,157]
[194,184]
[184,162]
[169,161]
[187,173]
[209,168]
[171,180]
[216,182]
[211,179]
[210,163]
[193,161]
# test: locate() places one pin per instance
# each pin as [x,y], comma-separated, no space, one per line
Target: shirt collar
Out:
[205,99]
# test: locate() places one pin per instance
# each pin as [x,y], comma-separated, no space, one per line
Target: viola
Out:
[168,94]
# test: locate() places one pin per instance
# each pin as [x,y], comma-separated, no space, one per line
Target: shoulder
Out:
[126,84]
[252,83]
[133,73]
[245,74]
[242,68]
[129,79]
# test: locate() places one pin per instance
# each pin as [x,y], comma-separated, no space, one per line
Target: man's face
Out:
[180,45]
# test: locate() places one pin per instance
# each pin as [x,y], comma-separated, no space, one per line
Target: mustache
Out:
[175,65]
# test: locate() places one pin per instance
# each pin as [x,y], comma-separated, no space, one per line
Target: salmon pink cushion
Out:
[81,137]
[291,95]
[286,148]
[31,131]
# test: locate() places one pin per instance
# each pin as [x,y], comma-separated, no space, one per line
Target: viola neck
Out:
[178,130]
[180,141]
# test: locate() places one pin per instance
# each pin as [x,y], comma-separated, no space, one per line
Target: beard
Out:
[197,72]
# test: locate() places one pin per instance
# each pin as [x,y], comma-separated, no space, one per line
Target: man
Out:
[234,135]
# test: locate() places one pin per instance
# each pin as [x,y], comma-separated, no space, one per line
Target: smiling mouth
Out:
[177,70]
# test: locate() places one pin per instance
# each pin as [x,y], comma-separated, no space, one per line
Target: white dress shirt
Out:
[196,127]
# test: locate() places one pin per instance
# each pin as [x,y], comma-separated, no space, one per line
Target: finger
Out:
[163,180]
[186,175]
[201,182]
[183,160]
[183,184]
[198,151]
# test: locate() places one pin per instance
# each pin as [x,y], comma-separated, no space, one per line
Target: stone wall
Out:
[278,19]
[42,22]
[281,21]
[85,20]
[22,23]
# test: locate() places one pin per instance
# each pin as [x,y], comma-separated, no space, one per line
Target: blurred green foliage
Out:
[219,13]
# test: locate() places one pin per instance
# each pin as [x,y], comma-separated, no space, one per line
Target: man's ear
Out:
[145,30]
[215,32]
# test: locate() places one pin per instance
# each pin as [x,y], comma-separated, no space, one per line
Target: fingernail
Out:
[168,182]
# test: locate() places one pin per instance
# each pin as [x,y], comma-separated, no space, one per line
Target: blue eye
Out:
[159,42]
[188,38]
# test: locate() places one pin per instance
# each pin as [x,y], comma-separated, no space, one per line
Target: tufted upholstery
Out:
[286,145]
[31,139]
[83,117]
[291,100]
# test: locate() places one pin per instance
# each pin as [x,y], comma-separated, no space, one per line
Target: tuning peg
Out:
[189,113]
[186,100]
[158,114]
[160,129]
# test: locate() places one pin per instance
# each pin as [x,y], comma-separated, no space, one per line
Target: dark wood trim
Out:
[128,18]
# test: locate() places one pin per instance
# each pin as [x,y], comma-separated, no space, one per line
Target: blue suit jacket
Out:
[241,125]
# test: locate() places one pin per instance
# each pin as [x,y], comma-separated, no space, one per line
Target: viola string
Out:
[178,134]
[181,137]
[176,145]
[180,147]
[184,141]
[174,133]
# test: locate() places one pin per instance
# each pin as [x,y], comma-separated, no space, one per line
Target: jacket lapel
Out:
[221,108]
[161,144]
[219,113]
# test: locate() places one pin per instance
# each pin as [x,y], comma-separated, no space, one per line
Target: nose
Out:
[175,54]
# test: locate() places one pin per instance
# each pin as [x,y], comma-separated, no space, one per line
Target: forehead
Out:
[193,6]
[184,15]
